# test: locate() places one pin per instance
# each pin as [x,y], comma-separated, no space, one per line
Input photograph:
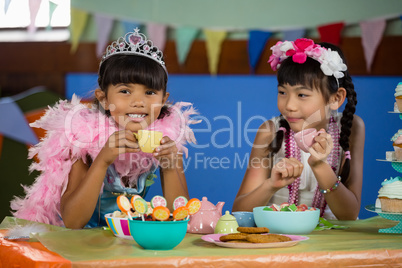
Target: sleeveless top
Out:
[308,182]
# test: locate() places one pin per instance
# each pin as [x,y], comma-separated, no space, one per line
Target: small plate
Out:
[214,238]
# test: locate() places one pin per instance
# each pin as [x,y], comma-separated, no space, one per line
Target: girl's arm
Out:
[84,183]
[260,181]
[345,200]
[172,175]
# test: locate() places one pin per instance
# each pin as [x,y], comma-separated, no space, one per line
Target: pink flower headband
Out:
[300,49]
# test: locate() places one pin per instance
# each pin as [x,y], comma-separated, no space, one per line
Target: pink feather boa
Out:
[74,131]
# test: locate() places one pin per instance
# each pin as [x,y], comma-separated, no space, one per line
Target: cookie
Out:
[270,238]
[253,230]
[234,236]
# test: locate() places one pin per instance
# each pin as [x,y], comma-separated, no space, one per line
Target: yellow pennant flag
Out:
[214,41]
[79,20]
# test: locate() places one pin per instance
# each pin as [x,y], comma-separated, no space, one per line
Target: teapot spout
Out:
[219,207]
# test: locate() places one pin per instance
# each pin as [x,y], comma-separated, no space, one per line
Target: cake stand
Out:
[397,229]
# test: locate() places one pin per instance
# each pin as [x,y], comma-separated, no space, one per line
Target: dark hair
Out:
[310,74]
[122,68]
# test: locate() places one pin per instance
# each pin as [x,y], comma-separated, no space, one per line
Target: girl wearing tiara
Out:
[90,154]
[313,82]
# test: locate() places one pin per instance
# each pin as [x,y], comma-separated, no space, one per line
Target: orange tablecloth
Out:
[360,245]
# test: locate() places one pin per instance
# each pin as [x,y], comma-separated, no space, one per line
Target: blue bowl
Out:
[158,235]
[286,222]
[244,218]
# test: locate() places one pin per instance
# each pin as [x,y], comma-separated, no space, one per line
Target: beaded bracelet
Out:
[333,187]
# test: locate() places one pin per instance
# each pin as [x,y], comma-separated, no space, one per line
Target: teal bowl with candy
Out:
[287,221]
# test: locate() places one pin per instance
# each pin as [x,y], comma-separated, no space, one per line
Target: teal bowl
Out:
[158,235]
[286,222]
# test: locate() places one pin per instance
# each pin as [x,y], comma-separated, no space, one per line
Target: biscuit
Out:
[234,236]
[270,238]
[253,230]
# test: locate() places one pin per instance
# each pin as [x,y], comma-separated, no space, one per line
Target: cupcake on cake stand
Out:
[397,165]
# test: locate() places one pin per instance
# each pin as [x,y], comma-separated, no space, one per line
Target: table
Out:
[360,245]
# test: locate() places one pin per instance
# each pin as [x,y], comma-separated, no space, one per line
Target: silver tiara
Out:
[134,43]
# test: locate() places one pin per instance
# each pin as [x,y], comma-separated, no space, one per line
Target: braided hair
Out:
[309,73]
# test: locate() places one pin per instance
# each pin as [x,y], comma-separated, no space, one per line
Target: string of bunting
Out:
[371,34]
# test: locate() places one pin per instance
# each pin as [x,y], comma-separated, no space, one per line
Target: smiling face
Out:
[302,107]
[132,106]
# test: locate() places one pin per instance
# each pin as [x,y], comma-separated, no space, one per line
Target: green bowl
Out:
[286,222]
[158,235]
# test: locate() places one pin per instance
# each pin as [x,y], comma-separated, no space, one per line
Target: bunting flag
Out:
[78,22]
[104,26]
[331,33]
[129,26]
[52,8]
[184,39]
[291,35]
[33,11]
[157,33]
[15,125]
[214,41]
[372,32]
[6,5]
[256,44]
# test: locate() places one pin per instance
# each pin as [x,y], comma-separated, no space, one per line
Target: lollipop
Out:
[133,198]
[140,206]
[157,201]
[180,201]
[193,206]
[124,205]
[161,213]
[180,213]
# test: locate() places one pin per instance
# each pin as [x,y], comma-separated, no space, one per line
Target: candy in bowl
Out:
[287,222]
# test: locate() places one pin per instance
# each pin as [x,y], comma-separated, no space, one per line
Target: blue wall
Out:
[232,108]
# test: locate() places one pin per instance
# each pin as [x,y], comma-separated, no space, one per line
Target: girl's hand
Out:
[120,142]
[285,172]
[321,148]
[166,153]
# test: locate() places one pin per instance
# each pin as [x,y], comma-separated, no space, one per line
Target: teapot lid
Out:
[228,217]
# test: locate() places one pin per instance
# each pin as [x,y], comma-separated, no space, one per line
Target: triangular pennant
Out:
[33,11]
[6,5]
[52,8]
[256,44]
[214,41]
[184,39]
[331,33]
[372,32]
[14,125]
[157,33]
[129,26]
[78,22]
[291,35]
[104,26]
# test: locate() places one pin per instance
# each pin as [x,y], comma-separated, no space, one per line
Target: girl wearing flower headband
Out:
[313,82]
[90,154]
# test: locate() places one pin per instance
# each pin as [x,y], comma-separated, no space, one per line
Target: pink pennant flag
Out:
[157,33]
[372,31]
[104,26]
[33,10]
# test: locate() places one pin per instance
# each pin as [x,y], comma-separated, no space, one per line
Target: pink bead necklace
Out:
[292,150]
